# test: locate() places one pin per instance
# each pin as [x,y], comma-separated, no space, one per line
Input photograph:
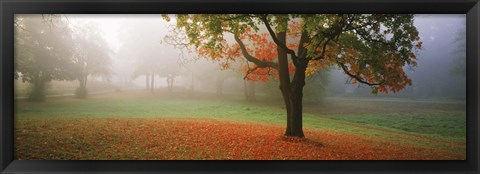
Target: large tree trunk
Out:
[38,88]
[291,92]
[296,100]
[81,82]
[81,91]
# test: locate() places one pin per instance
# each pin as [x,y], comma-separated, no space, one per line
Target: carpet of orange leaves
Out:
[185,139]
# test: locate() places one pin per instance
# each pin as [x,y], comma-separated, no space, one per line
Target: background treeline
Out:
[48,48]
[56,55]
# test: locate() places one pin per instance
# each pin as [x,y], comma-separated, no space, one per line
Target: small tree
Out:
[91,58]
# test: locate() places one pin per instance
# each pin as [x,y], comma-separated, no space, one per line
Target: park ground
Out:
[133,125]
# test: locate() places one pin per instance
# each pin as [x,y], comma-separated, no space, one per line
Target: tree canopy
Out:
[91,56]
[48,47]
[371,48]
[42,51]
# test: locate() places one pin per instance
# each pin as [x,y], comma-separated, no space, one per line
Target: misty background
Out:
[138,49]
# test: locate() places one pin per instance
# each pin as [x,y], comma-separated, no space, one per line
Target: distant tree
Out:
[459,69]
[170,70]
[43,51]
[147,66]
[91,56]
[142,43]
[371,49]
[316,86]
[460,53]
[223,75]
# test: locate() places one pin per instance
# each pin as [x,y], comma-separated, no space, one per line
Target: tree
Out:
[371,49]
[142,43]
[146,65]
[459,69]
[91,56]
[169,70]
[459,53]
[315,90]
[43,51]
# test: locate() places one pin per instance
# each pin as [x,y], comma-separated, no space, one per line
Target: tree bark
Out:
[38,89]
[291,92]
[86,80]
[81,92]
[81,82]
[296,97]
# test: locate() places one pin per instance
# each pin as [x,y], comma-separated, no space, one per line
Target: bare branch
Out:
[180,41]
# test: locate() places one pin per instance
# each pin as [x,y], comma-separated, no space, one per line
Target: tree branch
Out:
[250,70]
[335,34]
[250,58]
[325,47]
[236,17]
[275,39]
[302,51]
[356,77]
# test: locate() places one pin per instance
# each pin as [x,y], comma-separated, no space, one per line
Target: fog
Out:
[139,49]
[440,72]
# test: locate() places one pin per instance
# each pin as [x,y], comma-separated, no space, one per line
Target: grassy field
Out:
[141,125]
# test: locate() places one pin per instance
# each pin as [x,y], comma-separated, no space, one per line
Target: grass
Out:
[422,125]
[61,88]
[432,124]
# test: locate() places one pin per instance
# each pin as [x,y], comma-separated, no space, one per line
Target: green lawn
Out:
[425,124]
[420,120]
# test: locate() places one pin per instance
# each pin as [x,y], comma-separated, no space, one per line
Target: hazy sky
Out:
[111,23]
[437,32]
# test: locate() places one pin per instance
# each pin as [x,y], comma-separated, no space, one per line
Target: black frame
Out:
[10,7]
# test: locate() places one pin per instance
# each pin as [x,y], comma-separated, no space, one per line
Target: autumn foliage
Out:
[207,139]
[356,44]
[371,49]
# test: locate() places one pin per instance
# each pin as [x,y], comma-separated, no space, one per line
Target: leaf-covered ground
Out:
[184,139]
[162,125]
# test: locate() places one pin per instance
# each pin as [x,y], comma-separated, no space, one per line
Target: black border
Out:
[10,7]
